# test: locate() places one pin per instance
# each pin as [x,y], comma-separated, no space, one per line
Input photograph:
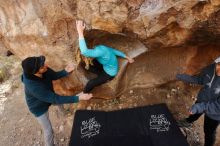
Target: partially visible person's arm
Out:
[212,107]
[190,79]
[197,79]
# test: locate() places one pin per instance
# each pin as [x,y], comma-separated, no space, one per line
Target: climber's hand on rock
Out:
[130,60]
[85,96]
[80,26]
[70,67]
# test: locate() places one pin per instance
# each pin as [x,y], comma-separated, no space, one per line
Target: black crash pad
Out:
[142,126]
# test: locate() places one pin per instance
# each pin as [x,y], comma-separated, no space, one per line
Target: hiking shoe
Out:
[184,123]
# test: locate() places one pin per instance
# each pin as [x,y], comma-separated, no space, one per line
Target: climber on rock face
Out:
[37,78]
[105,62]
[208,100]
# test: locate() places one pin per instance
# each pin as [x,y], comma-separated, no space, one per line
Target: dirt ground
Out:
[20,128]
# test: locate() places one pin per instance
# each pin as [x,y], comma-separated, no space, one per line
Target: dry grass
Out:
[3,74]
[9,66]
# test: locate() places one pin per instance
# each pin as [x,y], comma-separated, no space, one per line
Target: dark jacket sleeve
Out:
[198,79]
[42,93]
[55,75]
[190,79]
[212,107]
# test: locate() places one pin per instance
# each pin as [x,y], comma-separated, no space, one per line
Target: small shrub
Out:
[3,73]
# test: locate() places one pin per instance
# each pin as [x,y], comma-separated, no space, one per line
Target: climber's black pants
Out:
[210,127]
[101,78]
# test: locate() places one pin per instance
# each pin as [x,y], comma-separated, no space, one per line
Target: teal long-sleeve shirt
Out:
[106,56]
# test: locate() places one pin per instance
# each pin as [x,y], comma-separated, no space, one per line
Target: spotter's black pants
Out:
[209,126]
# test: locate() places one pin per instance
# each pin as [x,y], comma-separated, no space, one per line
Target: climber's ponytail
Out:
[80,58]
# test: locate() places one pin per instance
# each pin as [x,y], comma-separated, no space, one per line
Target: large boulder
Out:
[32,27]
[158,23]
[159,67]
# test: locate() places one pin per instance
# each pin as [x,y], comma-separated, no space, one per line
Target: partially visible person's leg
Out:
[102,78]
[210,127]
[187,122]
[47,129]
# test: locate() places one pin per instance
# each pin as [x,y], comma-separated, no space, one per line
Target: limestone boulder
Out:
[165,37]
[158,23]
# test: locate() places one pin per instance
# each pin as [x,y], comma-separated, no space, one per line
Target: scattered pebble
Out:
[89,108]
[39,133]
[173,90]
[168,95]
[21,120]
[61,128]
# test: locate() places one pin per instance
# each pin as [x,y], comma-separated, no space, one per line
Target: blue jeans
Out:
[47,129]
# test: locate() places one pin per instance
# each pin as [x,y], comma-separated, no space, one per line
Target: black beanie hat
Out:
[31,65]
